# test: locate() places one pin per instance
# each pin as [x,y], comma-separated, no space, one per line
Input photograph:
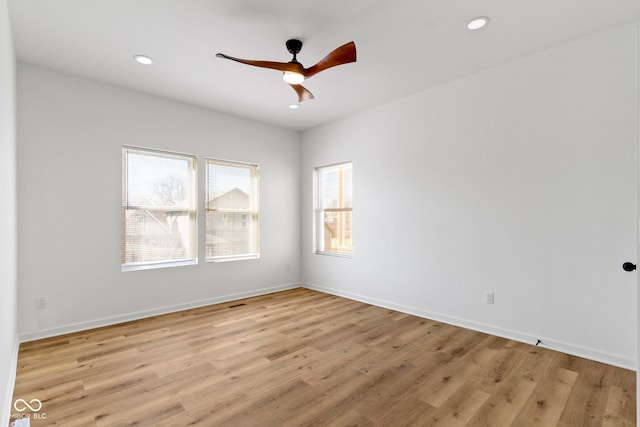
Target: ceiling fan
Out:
[295,73]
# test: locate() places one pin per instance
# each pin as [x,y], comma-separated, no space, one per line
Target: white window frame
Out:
[320,209]
[252,211]
[190,210]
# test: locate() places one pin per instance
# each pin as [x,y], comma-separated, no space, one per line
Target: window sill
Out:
[158,264]
[334,254]
[233,258]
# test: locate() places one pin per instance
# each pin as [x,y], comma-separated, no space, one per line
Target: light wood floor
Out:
[303,358]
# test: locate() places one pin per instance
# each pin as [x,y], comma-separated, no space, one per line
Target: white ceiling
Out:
[403,46]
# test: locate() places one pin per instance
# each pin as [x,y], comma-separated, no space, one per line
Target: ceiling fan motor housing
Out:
[294,46]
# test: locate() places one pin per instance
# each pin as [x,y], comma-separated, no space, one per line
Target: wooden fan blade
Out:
[303,93]
[282,66]
[342,55]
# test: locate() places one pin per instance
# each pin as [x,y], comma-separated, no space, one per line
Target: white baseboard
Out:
[5,410]
[564,347]
[107,321]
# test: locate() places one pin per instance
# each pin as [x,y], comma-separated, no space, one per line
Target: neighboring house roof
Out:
[232,199]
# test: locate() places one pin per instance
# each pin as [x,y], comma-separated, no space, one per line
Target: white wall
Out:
[8,232]
[70,133]
[519,179]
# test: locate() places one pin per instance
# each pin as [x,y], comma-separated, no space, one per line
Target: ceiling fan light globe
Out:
[293,78]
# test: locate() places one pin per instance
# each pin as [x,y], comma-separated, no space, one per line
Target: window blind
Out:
[334,209]
[232,214]
[158,208]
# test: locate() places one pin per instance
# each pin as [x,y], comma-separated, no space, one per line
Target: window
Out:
[158,209]
[334,209]
[231,211]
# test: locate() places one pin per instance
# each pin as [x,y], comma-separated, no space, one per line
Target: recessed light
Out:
[143,59]
[477,23]
[294,106]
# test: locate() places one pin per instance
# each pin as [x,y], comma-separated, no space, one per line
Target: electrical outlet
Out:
[41,302]
[488,297]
